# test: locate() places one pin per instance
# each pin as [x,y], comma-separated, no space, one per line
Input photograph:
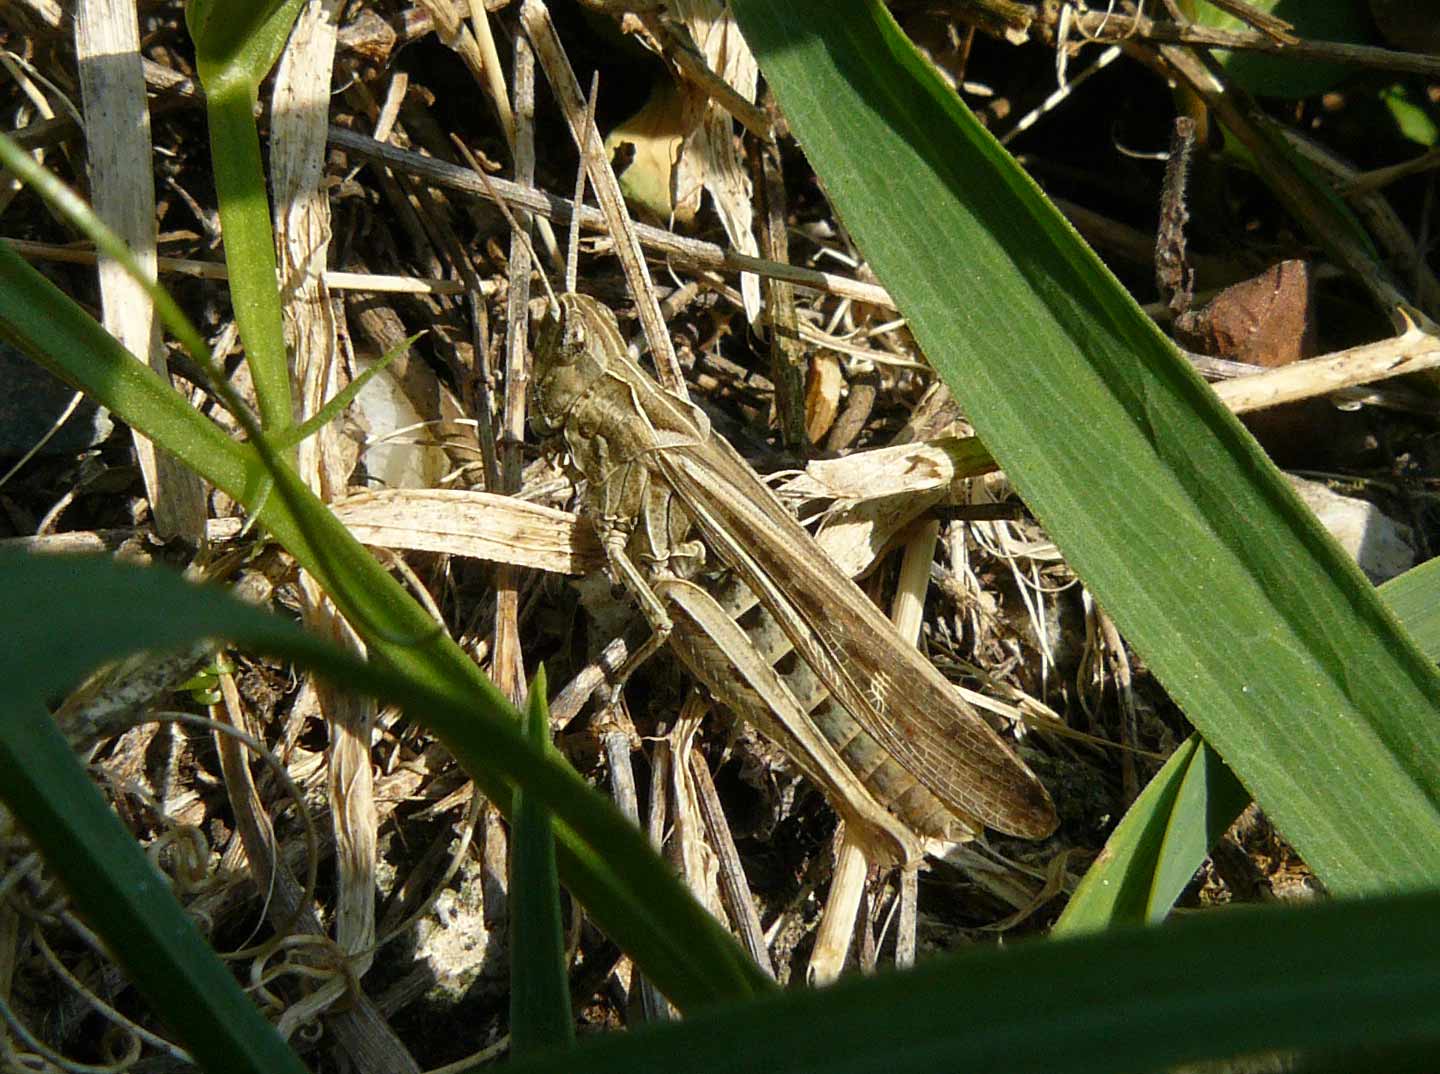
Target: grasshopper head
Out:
[571,350]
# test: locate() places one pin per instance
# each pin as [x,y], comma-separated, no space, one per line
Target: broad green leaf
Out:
[1144,867]
[238,41]
[1415,598]
[1262,629]
[116,888]
[1293,77]
[1327,978]
[1412,117]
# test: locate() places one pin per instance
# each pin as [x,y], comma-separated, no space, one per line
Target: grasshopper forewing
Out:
[657,476]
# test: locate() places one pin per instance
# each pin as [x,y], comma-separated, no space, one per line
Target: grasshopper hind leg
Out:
[650,549]
[659,542]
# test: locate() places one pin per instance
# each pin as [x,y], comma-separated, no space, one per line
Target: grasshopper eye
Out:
[575,335]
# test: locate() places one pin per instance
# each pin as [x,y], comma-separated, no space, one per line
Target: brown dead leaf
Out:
[652,140]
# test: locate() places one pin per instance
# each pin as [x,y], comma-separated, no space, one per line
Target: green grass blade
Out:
[1156,848]
[238,41]
[81,611]
[236,44]
[1257,623]
[79,215]
[1328,977]
[540,1014]
[119,892]
[336,404]
[50,327]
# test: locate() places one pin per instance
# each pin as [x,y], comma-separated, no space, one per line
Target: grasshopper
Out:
[899,753]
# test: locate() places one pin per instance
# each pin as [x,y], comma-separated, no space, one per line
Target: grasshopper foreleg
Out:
[644,543]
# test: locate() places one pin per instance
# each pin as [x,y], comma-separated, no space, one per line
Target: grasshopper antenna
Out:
[536,21]
[572,251]
[509,216]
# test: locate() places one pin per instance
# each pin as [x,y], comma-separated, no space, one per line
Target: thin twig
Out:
[733,887]
[837,921]
[690,253]
[1105,27]
[572,243]
[905,923]
[507,663]
[536,19]
[653,1006]
[787,358]
[692,66]
[617,743]
[1411,352]
[216,270]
